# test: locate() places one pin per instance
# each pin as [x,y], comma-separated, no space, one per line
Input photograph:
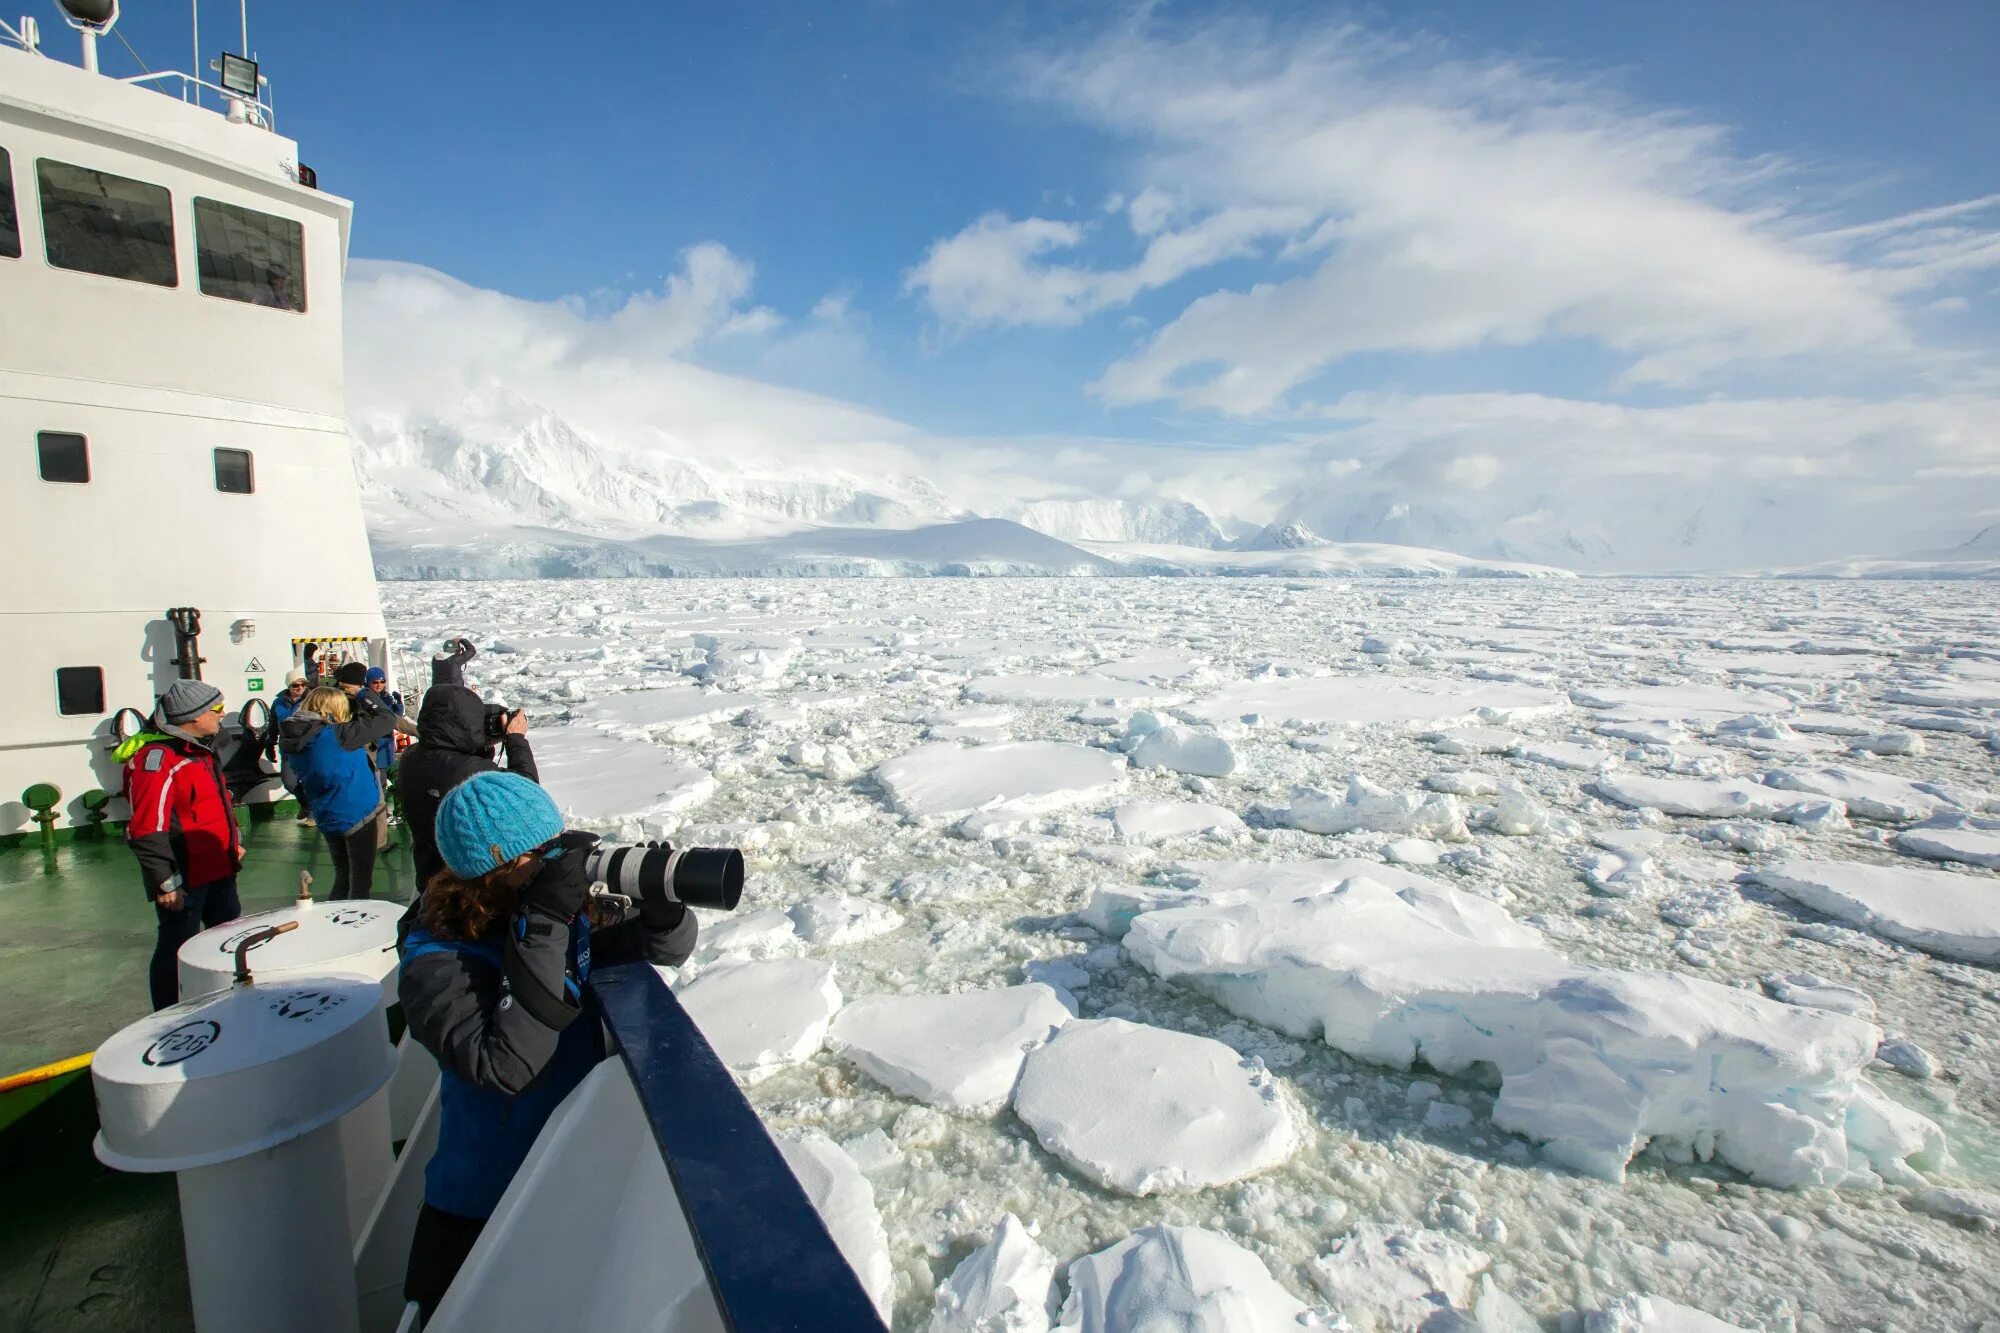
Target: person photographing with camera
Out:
[457,735]
[495,953]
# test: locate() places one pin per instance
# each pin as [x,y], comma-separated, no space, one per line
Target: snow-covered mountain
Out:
[498,485]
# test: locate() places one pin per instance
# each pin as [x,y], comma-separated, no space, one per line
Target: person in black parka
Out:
[452,745]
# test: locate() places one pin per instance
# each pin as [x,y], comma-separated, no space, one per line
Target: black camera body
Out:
[495,721]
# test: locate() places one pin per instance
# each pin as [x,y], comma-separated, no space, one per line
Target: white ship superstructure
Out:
[171,409]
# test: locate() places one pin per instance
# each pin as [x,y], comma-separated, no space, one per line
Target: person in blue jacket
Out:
[328,739]
[494,953]
[282,707]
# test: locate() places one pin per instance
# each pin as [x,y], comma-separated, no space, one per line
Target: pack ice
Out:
[1375,700]
[959,1052]
[1595,1063]
[1020,777]
[1143,1109]
[1179,1279]
[1951,913]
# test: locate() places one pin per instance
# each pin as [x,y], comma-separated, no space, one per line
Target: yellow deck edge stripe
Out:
[45,1073]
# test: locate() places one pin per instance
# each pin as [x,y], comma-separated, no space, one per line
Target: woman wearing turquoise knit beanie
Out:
[499,946]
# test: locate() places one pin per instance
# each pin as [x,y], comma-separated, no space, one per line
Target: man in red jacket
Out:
[183,828]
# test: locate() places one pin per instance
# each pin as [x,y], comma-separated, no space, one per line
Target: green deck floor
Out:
[83,1247]
[76,931]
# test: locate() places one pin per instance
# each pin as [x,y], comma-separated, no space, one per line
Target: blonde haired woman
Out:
[328,738]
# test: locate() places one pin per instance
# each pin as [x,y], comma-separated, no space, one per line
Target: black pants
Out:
[437,1251]
[354,859]
[201,907]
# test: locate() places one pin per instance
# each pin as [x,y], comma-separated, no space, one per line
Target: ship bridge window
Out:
[79,690]
[63,457]
[244,255]
[234,471]
[94,222]
[10,221]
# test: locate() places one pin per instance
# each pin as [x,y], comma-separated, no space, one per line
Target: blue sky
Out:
[1232,227]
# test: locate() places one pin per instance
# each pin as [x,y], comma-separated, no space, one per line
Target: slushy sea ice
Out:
[1393,967]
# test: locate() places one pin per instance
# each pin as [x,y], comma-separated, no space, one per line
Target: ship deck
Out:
[83,1247]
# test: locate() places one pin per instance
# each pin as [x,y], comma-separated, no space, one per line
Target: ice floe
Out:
[1718,798]
[1172,1279]
[1145,1110]
[1147,823]
[1024,777]
[1866,793]
[961,1052]
[1654,1314]
[761,1016]
[599,779]
[845,1201]
[1954,838]
[1394,967]
[1951,913]
[1375,700]
[1386,1277]
[1006,1285]
[1364,806]
[1184,750]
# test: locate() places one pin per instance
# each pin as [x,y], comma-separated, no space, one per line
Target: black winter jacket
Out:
[453,1001]
[450,748]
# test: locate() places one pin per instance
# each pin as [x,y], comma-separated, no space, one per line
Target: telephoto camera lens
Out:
[697,876]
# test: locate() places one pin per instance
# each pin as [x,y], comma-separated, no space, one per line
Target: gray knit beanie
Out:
[188,699]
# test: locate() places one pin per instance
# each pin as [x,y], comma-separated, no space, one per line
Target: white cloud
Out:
[996,272]
[1445,204]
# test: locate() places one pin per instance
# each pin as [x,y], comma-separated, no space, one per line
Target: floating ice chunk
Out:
[1703,906]
[1389,1277]
[1185,750]
[762,934]
[1005,1286]
[1081,688]
[1390,966]
[1979,1209]
[1169,1279]
[1474,740]
[1866,793]
[1948,694]
[1516,814]
[1462,782]
[1655,1314]
[1367,700]
[674,707]
[1145,1110]
[1889,742]
[1110,911]
[960,1053]
[1954,838]
[1149,822]
[1708,798]
[833,918]
[1412,852]
[1886,1133]
[1945,912]
[1679,703]
[1833,724]
[1759,838]
[1367,807]
[1812,991]
[761,1016]
[1025,776]
[1643,733]
[1906,1057]
[599,779]
[1567,755]
[743,659]
[845,1201]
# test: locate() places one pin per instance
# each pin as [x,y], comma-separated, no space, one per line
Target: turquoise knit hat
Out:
[491,818]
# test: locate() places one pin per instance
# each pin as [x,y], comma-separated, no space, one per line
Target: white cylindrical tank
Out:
[242,1093]
[357,936]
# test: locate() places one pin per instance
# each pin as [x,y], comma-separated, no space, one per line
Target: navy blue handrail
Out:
[770,1261]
